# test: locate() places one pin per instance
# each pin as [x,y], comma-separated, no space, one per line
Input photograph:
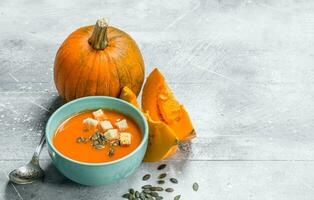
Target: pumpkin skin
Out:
[80,69]
[160,102]
[162,141]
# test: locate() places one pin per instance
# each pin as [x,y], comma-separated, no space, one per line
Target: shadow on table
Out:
[43,189]
[52,105]
[52,176]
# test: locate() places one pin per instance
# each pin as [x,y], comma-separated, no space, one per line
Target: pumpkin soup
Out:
[96,136]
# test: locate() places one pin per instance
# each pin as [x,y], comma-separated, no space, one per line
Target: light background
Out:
[243,69]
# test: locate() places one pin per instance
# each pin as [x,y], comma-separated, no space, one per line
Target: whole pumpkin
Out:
[98,60]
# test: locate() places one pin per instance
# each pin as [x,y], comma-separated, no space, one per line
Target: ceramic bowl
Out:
[96,173]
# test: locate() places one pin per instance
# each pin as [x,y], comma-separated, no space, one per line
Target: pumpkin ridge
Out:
[56,78]
[102,86]
[95,83]
[65,82]
[72,38]
[56,72]
[80,77]
[118,72]
[63,59]
[126,53]
[111,61]
[89,74]
[98,74]
[128,75]
[78,80]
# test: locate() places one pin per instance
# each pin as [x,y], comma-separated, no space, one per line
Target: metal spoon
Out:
[31,171]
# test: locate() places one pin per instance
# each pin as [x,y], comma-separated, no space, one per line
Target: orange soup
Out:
[96,136]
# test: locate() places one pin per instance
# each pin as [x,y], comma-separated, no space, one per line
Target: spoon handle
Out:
[35,158]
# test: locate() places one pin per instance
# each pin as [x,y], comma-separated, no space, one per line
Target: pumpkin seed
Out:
[99,146]
[150,198]
[98,134]
[161,167]
[131,191]
[126,196]
[156,189]
[173,180]
[169,190]
[160,182]
[146,186]
[85,140]
[159,198]
[146,177]
[142,196]
[195,187]
[110,152]
[154,194]
[163,175]
[146,191]
[94,137]
[177,197]
[148,195]
[114,143]
[79,139]
[137,194]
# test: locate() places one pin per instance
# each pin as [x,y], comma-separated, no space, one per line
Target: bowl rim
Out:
[144,139]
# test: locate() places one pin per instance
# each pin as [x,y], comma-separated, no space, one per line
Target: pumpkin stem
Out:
[99,40]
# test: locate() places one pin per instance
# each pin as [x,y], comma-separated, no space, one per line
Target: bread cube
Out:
[122,124]
[106,125]
[90,124]
[99,115]
[125,138]
[90,121]
[112,134]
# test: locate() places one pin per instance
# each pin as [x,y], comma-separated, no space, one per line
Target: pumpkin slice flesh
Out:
[128,95]
[162,142]
[160,102]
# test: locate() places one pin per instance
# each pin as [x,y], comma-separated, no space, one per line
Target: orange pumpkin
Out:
[98,60]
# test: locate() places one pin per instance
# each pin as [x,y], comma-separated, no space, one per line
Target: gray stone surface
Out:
[243,69]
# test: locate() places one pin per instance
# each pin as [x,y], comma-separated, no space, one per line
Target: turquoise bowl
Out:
[96,173]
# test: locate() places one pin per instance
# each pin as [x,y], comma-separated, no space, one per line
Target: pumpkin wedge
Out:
[128,95]
[160,102]
[162,142]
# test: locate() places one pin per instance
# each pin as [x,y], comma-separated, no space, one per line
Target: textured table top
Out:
[243,69]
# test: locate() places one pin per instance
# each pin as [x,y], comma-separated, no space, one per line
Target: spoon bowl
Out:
[26,174]
[32,170]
